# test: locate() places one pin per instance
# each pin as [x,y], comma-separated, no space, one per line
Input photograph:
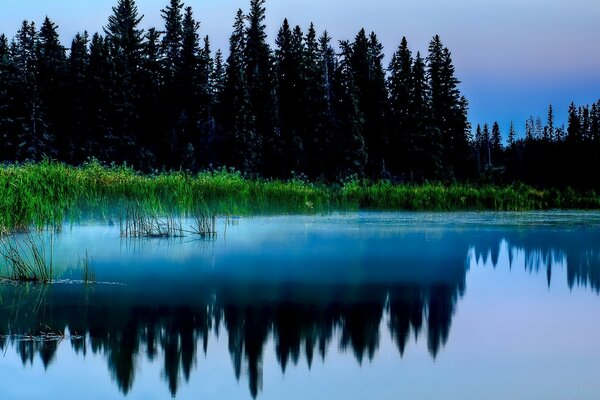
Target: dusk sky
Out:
[514,57]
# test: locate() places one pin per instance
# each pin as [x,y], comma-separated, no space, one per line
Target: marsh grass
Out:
[86,266]
[47,194]
[26,260]
[138,222]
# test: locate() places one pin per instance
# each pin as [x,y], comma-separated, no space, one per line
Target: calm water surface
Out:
[348,306]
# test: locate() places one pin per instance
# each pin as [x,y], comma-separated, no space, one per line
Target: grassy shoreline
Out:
[49,193]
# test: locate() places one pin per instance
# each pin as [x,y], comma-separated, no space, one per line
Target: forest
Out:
[162,100]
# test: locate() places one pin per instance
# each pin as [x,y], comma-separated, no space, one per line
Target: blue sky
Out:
[514,57]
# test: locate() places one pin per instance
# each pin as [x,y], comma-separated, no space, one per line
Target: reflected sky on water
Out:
[360,305]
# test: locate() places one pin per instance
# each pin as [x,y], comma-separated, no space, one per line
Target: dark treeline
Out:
[547,155]
[161,99]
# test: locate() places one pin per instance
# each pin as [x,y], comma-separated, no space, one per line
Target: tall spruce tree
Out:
[496,145]
[426,148]
[449,111]
[242,144]
[400,82]
[31,135]
[101,81]
[315,124]
[289,56]
[550,130]
[348,119]
[77,72]
[52,69]
[369,79]
[126,43]
[258,65]
[8,88]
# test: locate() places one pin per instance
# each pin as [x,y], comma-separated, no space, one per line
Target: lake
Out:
[345,305]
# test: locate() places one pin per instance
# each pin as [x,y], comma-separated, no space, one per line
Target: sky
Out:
[513,57]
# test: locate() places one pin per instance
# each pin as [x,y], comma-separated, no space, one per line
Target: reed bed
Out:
[48,194]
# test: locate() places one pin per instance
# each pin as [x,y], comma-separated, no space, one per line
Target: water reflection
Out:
[406,282]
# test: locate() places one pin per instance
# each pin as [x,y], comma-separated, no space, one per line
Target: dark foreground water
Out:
[349,306]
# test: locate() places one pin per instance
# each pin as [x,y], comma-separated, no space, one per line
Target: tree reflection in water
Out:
[302,318]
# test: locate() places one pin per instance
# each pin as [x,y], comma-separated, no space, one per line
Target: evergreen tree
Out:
[242,145]
[218,75]
[77,72]
[400,119]
[8,87]
[550,134]
[448,111]
[529,129]
[348,120]
[289,57]
[258,65]
[151,86]
[512,135]
[330,150]
[101,80]
[425,144]
[172,39]
[52,67]
[126,44]
[486,144]
[574,127]
[496,145]
[365,62]
[316,123]
[31,135]
[478,143]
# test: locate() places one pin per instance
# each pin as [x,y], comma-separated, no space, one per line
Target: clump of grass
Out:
[86,266]
[26,260]
[205,226]
[138,222]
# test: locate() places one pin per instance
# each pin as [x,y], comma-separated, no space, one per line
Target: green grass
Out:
[49,193]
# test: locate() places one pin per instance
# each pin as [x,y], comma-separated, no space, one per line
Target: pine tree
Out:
[424,138]
[449,111]
[172,39]
[31,136]
[330,150]
[8,103]
[242,145]
[100,85]
[348,119]
[77,72]
[400,86]
[478,144]
[151,109]
[316,122]
[289,57]
[52,67]
[512,134]
[550,131]
[365,62]
[258,65]
[574,126]
[496,144]
[126,43]
[486,146]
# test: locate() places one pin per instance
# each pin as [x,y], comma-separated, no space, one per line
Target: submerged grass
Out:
[49,193]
